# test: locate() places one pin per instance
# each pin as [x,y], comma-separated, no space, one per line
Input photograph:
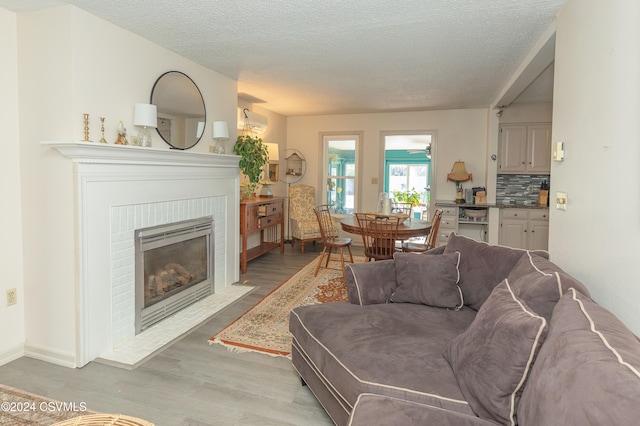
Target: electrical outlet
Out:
[12,296]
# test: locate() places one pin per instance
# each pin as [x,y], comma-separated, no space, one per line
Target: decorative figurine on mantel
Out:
[122,135]
[86,128]
[102,139]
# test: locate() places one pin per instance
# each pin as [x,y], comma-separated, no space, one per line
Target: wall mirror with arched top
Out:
[181,111]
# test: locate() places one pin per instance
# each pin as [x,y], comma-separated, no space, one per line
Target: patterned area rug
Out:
[24,408]
[265,327]
[20,408]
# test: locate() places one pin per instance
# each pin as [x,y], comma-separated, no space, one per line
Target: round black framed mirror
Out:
[181,111]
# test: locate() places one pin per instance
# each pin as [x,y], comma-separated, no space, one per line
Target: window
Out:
[340,172]
[407,165]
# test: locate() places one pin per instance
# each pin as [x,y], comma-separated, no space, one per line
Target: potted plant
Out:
[254,156]
[413,197]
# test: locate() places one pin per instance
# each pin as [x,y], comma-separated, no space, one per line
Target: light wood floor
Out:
[192,382]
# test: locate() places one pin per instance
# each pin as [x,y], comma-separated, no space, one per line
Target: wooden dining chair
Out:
[330,239]
[410,247]
[404,209]
[379,235]
[401,208]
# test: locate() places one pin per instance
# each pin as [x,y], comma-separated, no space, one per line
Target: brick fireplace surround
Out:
[122,188]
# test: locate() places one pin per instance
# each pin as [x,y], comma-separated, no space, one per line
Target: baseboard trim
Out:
[12,354]
[64,359]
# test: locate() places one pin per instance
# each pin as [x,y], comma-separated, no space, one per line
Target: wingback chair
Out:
[304,224]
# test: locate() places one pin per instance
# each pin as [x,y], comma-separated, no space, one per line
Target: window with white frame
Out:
[340,172]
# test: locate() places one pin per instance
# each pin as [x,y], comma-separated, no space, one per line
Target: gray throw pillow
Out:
[492,358]
[540,283]
[482,266]
[428,280]
[587,372]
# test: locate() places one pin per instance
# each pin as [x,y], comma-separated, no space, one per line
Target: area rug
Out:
[265,327]
[23,408]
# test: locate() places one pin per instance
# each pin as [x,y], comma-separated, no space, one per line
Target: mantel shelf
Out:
[93,152]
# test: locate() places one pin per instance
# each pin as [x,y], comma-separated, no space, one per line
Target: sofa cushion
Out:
[482,266]
[492,357]
[540,283]
[587,372]
[371,409]
[392,349]
[428,280]
[370,283]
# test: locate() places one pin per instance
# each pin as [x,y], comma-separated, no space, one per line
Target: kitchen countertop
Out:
[500,206]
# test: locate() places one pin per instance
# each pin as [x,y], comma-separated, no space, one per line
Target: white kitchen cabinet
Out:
[525,148]
[524,228]
[454,220]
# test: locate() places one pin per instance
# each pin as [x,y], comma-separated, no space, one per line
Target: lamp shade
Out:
[274,154]
[220,130]
[145,115]
[459,172]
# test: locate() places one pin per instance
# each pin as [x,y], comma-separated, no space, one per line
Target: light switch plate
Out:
[558,151]
[561,201]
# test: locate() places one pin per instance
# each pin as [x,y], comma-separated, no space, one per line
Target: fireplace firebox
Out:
[174,268]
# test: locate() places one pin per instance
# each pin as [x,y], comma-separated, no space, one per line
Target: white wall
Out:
[11,318]
[539,112]
[90,66]
[596,113]
[460,135]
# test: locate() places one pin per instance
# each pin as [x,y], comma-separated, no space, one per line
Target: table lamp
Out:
[459,174]
[145,115]
[220,134]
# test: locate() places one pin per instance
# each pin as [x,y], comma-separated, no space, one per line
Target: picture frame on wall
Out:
[274,172]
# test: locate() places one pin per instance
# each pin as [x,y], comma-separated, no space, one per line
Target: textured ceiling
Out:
[336,57]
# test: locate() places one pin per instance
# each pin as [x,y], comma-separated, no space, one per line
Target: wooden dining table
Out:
[408,229]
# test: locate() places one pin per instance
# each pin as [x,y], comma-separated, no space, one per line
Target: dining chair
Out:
[379,235]
[401,208]
[411,247]
[330,239]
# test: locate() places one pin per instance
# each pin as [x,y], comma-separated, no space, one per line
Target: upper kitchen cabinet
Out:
[525,148]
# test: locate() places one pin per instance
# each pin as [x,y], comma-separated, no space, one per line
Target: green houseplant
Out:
[413,197]
[254,156]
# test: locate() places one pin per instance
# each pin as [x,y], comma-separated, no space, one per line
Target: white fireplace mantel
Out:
[119,188]
[93,152]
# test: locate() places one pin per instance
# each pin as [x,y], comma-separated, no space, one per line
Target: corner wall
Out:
[11,317]
[596,113]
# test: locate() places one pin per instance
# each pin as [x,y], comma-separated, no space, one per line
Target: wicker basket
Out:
[104,420]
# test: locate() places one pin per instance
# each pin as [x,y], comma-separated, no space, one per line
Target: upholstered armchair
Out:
[304,224]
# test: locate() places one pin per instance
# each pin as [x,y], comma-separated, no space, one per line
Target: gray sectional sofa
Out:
[467,334]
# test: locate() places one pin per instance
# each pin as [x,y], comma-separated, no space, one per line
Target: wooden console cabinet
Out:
[264,215]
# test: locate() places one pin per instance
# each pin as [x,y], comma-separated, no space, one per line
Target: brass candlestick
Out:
[102,139]
[86,128]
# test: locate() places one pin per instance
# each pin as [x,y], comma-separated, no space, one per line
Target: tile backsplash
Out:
[519,189]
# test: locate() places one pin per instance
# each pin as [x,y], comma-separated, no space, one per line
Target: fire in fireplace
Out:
[174,268]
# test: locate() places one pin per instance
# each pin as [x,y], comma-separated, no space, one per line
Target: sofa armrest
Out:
[371,409]
[370,283]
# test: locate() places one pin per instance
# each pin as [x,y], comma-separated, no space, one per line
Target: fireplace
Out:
[173,269]
[120,190]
